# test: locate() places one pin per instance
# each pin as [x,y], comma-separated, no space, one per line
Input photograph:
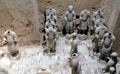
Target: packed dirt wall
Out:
[26,17]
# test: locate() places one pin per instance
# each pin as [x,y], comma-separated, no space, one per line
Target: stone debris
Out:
[32,59]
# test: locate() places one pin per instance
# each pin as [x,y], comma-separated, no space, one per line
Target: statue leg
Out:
[53,46]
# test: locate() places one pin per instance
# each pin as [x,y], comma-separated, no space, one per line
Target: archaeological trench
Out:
[26,18]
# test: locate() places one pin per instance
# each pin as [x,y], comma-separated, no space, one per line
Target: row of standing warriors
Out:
[91,23]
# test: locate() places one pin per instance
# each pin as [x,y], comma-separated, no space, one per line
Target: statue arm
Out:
[81,15]
[65,16]
[15,38]
[4,37]
[74,17]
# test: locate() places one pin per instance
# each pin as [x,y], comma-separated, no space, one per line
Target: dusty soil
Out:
[62,5]
[18,15]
